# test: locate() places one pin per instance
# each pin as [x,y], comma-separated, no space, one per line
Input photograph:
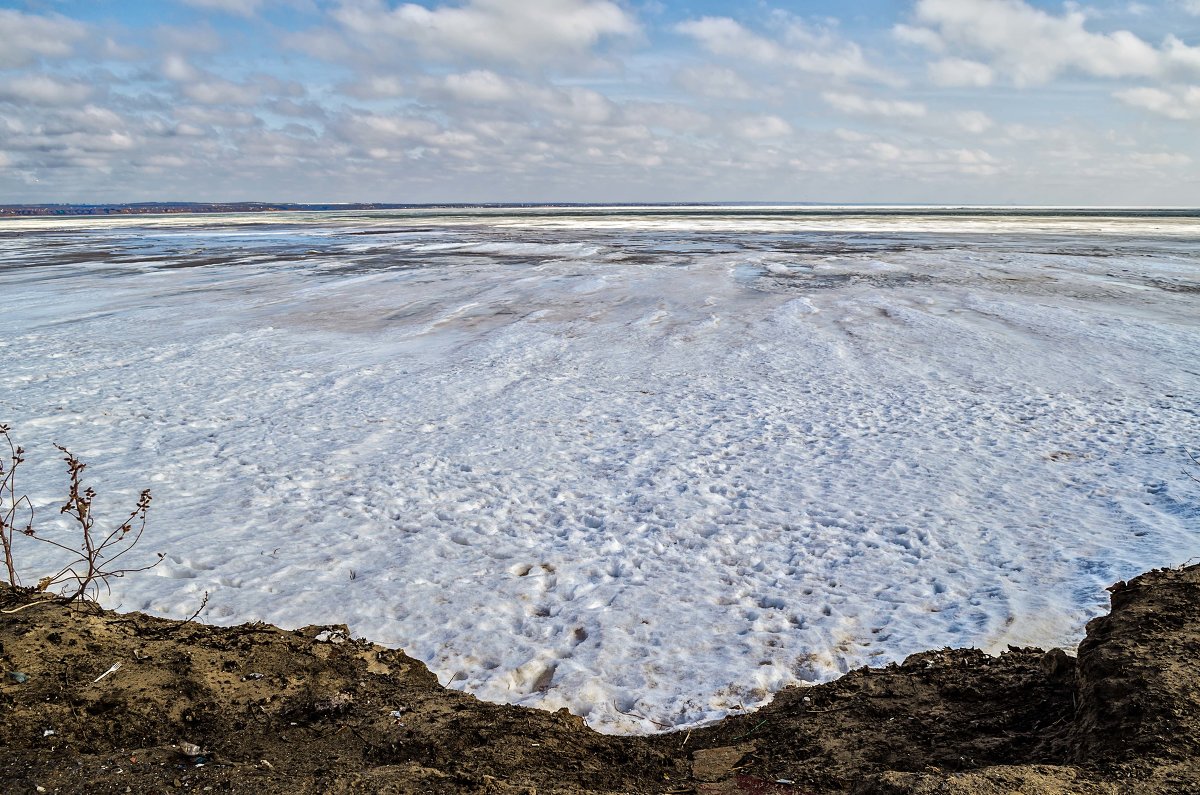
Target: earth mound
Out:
[98,702]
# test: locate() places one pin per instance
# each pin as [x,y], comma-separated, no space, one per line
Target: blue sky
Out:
[943,101]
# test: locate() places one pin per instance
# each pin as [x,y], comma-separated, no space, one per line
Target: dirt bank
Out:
[269,710]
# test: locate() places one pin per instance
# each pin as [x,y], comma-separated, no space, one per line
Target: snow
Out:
[650,465]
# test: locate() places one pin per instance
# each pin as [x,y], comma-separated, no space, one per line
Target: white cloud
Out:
[864,106]
[921,37]
[1178,103]
[760,128]
[715,82]
[975,162]
[852,136]
[958,72]
[526,32]
[1190,6]
[205,88]
[27,37]
[91,118]
[175,67]
[974,121]
[245,8]
[482,85]
[1032,46]
[667,115]
[221,92]
[377,87]
[43,90]
[216,117]
[384,132]
[1161,159]
[813,54]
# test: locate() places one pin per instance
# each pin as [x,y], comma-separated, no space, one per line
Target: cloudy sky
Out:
[981,101]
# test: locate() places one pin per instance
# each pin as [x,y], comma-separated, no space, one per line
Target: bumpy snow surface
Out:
[649,464]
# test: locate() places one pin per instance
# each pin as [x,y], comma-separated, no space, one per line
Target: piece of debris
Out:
[335,636]
[190,749]
[115,667]
[18,677]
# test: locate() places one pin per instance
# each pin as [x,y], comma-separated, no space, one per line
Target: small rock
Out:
[18,677]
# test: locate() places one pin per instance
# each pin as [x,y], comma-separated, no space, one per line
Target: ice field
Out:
[650,464]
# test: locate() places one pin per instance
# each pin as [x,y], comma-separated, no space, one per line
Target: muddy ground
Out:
[256,709]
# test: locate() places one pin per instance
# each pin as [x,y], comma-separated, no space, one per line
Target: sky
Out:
[879,101]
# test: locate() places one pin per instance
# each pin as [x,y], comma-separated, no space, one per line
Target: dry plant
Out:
[12,507]
[94,560]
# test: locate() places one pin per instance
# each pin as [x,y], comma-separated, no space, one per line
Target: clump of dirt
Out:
[258,709]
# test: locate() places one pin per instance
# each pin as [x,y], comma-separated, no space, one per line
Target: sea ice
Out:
[652,466]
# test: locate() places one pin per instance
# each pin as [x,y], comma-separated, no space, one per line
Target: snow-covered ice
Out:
[652,465]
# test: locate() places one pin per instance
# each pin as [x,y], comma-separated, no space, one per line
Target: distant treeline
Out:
[155,208]
[766,208]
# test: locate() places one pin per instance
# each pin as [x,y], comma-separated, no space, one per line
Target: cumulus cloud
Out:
[800,49]
[974,121]
[865,106]
[530,32]
[1177,103]
[1161,159]
[482,86]
[668,115]
[245,8]
[43,90]
[761,128]
[377,87]
[205,88]
[26,37]
[715,82]
[1033,46]
[960,72]
[975,162]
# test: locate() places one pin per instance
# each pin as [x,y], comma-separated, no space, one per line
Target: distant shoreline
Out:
[814,208]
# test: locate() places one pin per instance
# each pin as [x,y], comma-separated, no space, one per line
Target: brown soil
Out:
[314,711]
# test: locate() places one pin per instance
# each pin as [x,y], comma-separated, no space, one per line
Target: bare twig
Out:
[199,610]
[640,717]
[1195,461]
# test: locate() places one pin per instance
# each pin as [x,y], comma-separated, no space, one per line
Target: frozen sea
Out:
[649,464]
